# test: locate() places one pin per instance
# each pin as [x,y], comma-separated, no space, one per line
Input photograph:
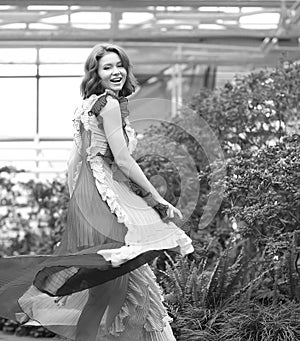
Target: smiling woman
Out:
[112,72]
[108,63]
[97,285]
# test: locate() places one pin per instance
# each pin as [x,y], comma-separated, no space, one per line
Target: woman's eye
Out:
[109,67]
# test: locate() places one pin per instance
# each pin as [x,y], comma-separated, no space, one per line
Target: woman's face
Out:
[112,72]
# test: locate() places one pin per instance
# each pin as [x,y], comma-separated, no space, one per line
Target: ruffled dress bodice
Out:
[89,115]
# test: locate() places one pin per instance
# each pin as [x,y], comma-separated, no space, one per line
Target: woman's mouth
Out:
[116,80]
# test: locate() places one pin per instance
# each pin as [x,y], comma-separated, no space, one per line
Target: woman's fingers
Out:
[179,214]
[172,211]
[176,210]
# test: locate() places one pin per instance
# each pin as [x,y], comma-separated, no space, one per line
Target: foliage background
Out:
[242,282]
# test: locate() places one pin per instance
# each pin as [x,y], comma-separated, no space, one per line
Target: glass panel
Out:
[58,100]
[63,55]
[261,19]
[17,154]
[18,107]
[14,26]
[91,17]
[136,17]
[41,26]
[61,69]
[17,55]
[17,70]
[50,158]
[57,19]
[92,26]
[6,7]
[46,8]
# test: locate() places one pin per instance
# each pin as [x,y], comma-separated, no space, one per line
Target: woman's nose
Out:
[116,70]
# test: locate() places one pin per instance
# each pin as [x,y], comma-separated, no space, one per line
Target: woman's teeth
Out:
[116,80]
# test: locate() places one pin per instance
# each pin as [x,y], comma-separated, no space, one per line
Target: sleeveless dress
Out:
[97,286]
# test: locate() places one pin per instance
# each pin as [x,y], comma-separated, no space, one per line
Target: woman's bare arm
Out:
[112,123]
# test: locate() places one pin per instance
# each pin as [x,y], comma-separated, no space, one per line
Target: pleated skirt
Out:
[97,285]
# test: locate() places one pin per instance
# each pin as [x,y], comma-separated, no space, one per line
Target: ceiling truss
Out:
[172,31]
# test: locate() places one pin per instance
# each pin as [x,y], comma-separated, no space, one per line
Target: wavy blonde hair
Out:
[91,82]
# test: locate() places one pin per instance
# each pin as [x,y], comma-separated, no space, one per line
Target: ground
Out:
[8,337]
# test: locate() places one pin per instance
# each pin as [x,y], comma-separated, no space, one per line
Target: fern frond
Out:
[237,273]
[215,287]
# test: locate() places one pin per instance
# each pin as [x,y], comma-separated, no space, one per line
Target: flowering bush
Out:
[253,110]
[263,192]
[32,213]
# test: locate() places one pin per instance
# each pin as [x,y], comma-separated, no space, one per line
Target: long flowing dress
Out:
[97,285]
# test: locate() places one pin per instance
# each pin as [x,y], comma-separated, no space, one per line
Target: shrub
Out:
[263,192]
[253,111]
[33,213]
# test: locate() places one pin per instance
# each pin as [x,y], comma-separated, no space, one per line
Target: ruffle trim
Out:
[143,302]
[107,194]
[128,252]
[77,119]
[121,255]
[177,238]
[101,102]
[132,140]
[92,107]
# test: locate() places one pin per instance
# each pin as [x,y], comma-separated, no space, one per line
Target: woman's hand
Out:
[171,209]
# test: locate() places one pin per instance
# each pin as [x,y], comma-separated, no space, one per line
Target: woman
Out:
[97,285]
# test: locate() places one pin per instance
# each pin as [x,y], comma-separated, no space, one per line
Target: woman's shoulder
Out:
[101,101]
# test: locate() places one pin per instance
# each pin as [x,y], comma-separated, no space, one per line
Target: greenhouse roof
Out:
[220,32]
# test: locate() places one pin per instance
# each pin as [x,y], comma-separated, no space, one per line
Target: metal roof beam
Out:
[75,34]
[150,3]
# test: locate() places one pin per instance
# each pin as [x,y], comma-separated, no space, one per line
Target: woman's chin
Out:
[115,88]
